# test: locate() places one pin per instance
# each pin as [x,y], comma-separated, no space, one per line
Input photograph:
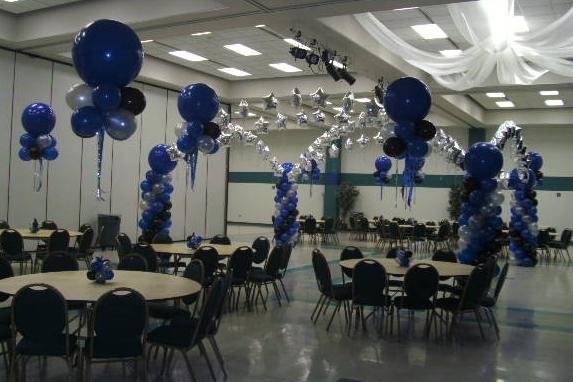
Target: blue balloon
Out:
[215,148]
[148,215]
[405,130]
[160,160]
[488,185]
[165,198]
[194,129]
[24,154]
[152,176]
[483,161]
[87,121]
[143,224]
[415,163]
[535,161]
[107,97]
[50,153]
[27,140]
[383,163]
[407,100]
[156,207]
[146,186]
[287,166]
[107,52]
[38,119]
[417,148]
[187,144]
[120,124]
[198,102]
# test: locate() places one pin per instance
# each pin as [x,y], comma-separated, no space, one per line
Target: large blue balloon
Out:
[535,161]
[407,100]
[198,102]
[107,52]
[38,119]
[383,163]
[160,161]
[483,161]
[87,121]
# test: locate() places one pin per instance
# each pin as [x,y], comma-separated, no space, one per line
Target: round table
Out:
[392,267]
[180,249]
[75,286]
[43,234]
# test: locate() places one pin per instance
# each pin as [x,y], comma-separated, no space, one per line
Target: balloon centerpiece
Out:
[383,164]
[100,270]
[38,120]
[407,102]
[107,56]
[285,220]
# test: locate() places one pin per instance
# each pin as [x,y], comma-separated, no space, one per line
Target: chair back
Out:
[39,312]
[11,242]
[161,238]
[123,244]
[329,225]
[212,307]
[421,283]
[310,226]
[350,252]
[220,239]
[148,253]
[59,262]
[394,230]
[59,241]
[85,241]
[210,259]
[119,317]
[322,272]
[4,224]
[132,262]
[476,287]
[543,238]
[262,246]
[196,272]
[501,280]
[5,272]
[566,237]
[369,282]
[419,231]
[241,262]
[446,256]
[273,264]
[444,231]
[84,227]
[49,224]
[286,251]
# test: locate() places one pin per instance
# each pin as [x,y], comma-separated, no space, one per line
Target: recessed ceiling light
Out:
[505,104]
[243,50]
[187,55]
[293,42]
[284,67]
[451,52]
[234,72]
[362,100]
[429,31]
[549,92]
[404,9]
[260,26]
[554,102]
[519,24]
[146,41]
[200,33]
[495,95]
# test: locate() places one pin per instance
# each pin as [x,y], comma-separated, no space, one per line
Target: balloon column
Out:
[38,120]
[383,164]
[156,192]
[285,219]
[107,55]
[480,223]
[198,104]
[523,228]
[407,102]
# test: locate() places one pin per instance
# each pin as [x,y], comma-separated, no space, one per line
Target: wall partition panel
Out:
[216,192]
[6,92]
[196,213]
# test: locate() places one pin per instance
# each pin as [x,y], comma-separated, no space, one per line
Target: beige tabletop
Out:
[392,267]
[41,234]
[181,248]
[75,286]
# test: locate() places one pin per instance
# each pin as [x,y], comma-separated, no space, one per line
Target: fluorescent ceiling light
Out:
[187,55]
[404,9]
[362,100]
[146,41]
[429,31]
[554,102]
[549,92]
[519,25]
[10,1]
[284,67]
[451,52]
[337,108]
[249,115]
[234,72]
[495,95]
[328,103]
[200,33]
[296,43]
[505,104]
[243,50]
[260,26]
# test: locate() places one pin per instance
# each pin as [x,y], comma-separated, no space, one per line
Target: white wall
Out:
[68,194]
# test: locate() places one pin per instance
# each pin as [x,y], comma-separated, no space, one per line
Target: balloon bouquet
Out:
[312,174]
[285,220]
[383,164]
[107,55]
[38,120]
[480,221]
[407,102]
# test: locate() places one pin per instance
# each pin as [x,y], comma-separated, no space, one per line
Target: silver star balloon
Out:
[372,108]
[348,128]
[260,146]
[223,118]
[301,118]
[318,115]
[363,141]
[333,151]
[362,121]
[341,117]
[244,108]
[348,144]
[180,129]
[348,102]
[262,126]
[224,139]
[270,101]
[281,121]
[296,98]
[319,98]
[379,138]
[250,138]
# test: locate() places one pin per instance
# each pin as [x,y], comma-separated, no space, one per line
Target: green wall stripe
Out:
[332,169]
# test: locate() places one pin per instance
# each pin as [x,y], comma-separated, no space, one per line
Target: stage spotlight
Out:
[343,73]
[379,91]
[298,53]
[332,71]
[312,59]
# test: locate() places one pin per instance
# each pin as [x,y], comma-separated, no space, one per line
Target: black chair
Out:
[418,239]
[59,241]
[210,259]
[5,314]
[117,330]
[349,252]
[369,289]
[263,277]
[165,261]
[184,336]
[123,245]
[489,302]
[262,246]
[84,250]
[240,265]
[420,288]
[132,262]
[340,294]
[448,257]
[562,246]
[13,249]
[221,240]
[146,251]
[49,224]
[441,239]
[286,252]
[543,241]
[59,262]
[311,229]
[4,224]
[83,228]
[40,319]
[329,231]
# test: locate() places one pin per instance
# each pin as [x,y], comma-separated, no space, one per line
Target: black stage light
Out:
[379,92]
[312,59]
[343,73]
[330,69]
[298,53]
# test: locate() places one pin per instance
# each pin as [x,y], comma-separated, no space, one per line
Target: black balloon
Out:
[132,100]
[91,275]
[212,129]
[168,206]
[35,153]
[425,130]
[394,147]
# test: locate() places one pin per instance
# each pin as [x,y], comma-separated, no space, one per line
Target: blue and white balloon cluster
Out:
[523,229]
[285,222]
[38,120]
[407,102]
[156,192]
[107,55]
[480,221]
[194,241]
[100,270]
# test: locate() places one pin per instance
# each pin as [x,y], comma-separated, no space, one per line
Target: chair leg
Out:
[478,318]
[336,309]
[188,363]
[494,320]
[318,304]
[277,293]
[284,290]
[204,354]
[218,354]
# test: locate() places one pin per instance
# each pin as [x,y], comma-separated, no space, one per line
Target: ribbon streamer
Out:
[38,174]
[191,160]
[99,191]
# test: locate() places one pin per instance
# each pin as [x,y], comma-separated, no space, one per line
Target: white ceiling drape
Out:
[517,58]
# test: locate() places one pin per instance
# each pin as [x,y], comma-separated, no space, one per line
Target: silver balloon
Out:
[143,205]
[318,115]
[379,138]
[348,144]
[224,140]
[319,98]
[79,95]
[262,126]
[180,129]
[120,124]
[206,144]
[348,128]
[363,141]
[333,151]
[147,196]
[362,121]
[281,121]
[223,118]
[270,101]
[250,139]
[348,102]
[167,178]
[341,117]
[244,108]
[372,108]
[301,118]
[158,188]
[296,98]
[44,141]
